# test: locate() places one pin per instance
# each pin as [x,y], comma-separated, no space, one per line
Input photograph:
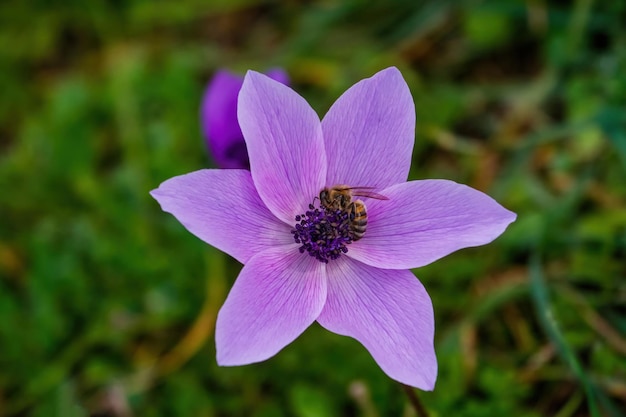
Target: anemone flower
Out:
[303,260]
[218,118]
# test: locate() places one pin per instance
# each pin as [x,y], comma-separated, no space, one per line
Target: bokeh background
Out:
[107,304]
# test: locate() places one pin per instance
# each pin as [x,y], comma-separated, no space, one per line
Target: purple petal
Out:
[223,208]
[277,295]
[389,312]
[369,132]
[284,139]
[218,117]
[425,220]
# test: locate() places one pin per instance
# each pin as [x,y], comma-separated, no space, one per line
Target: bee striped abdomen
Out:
[358,218]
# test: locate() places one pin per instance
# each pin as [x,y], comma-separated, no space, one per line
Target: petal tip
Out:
[507,218]
[390,70]
[254,76]
[430,380]
[391,73]
[512,216]
[226,360]
[258,79]
[156,194]
[424,380]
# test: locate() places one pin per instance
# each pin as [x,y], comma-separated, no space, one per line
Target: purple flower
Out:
[302,260]
[218,118]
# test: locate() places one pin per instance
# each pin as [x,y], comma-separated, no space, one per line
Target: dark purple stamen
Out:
[323,233]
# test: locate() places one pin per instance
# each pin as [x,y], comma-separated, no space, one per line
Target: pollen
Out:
[323,233]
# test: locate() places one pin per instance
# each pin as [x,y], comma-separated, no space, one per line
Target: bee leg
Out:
[352,211]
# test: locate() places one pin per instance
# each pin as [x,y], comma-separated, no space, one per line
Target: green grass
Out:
[107,303]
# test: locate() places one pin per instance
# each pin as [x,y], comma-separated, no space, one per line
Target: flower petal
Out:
[223,208]
[218,117]
[285,145]
[277,295]
[369,132]
[425,220]
[389,312]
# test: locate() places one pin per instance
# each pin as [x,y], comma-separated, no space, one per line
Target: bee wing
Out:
[367,192]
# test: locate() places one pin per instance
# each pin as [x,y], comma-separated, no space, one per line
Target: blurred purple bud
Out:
[218,118]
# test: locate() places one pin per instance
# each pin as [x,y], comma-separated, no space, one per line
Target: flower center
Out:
[324,233]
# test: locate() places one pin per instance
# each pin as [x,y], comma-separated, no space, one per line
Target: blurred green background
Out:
[107,304]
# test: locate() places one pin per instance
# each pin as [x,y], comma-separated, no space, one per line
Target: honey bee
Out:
[339,197]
